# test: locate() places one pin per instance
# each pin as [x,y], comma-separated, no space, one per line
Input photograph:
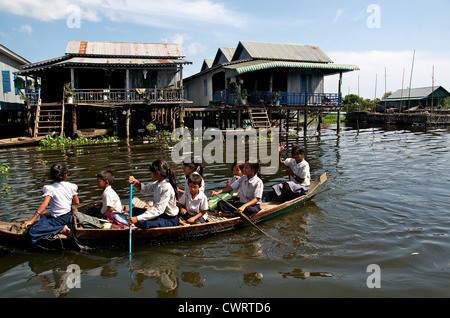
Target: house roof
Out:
[112,54]
[276,51]
[207,63]
[253,56]
[256,65]
[124,49]
[101,62]
[223,55]
[5,51]
[415,93]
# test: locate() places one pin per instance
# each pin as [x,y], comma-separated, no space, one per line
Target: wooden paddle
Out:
[248,219]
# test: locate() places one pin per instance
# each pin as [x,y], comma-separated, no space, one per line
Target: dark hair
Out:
[239,164]
[106,175]
[298,149]
[254,165]
[58,171]
[165,170]
[195,166]
[195,178]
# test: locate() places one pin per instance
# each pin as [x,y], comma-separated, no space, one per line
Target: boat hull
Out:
[115,237]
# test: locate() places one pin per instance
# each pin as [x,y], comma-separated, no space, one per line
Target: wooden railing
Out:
[32,95]
[284,98]
[137,95]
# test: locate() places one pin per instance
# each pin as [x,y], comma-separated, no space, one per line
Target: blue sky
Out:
[379,36]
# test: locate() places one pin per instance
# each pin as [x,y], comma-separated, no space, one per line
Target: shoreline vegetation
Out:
[153,136]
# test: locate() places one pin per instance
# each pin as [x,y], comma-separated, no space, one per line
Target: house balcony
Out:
[129,96]
[288,99]
[120,96]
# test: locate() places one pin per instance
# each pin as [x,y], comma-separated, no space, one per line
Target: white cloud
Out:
[338,15]
[45,10]
[169,13]
[372,71]
[191,48]
[25,28]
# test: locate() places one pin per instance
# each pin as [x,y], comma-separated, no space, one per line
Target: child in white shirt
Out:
[193,203]
[60,196]
[298,171]
[110,200]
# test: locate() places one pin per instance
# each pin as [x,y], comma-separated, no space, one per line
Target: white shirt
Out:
[164,197]
[300,169]
[111,199]
[186,186]
[195,205]
[234,193]
[61,194]
[249,188]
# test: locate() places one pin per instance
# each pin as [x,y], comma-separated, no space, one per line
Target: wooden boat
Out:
[20,141]
[93,132]
[98,237]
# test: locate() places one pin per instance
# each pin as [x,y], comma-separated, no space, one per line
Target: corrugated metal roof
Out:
[4,50]
[102,61]
[129,49]
[416,93]
[256,65]
[228,52]
[276,51]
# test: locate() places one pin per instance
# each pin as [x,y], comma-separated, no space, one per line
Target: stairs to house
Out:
[258,117]
[49,119]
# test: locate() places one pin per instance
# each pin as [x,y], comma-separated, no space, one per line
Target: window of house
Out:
[6,78]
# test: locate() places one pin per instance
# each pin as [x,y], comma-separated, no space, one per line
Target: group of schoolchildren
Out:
[172,206]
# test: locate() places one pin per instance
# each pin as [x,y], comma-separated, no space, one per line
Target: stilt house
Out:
[98,79]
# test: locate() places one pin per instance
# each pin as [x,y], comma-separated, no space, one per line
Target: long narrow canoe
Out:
[92,237]
[20,141]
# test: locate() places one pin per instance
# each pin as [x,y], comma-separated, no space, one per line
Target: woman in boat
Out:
[164,213]
[298,171]
[250,188]
[60,195]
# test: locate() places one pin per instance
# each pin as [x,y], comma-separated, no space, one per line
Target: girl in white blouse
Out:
[165,211]
[250,193]
[60,195]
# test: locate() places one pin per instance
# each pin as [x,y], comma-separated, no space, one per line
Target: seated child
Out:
[190,166]
[194,203]
[238,171]
[60,195]
[250,193]
[298,170]
[110,199]
[164,213]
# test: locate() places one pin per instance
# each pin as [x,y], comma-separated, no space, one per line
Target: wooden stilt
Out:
[127,121]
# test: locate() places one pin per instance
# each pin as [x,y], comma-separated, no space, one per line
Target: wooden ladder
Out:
[49,119]
[258,117]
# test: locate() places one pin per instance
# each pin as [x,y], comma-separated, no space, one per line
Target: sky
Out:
[382,37]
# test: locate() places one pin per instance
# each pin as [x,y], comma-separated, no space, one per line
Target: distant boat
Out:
[93,132]
[20,141]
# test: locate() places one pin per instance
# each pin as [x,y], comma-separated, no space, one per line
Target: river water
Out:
[385,204]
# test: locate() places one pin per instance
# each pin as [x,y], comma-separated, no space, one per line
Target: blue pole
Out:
[131,214]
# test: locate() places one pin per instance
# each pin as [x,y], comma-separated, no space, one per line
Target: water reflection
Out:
[371,211]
